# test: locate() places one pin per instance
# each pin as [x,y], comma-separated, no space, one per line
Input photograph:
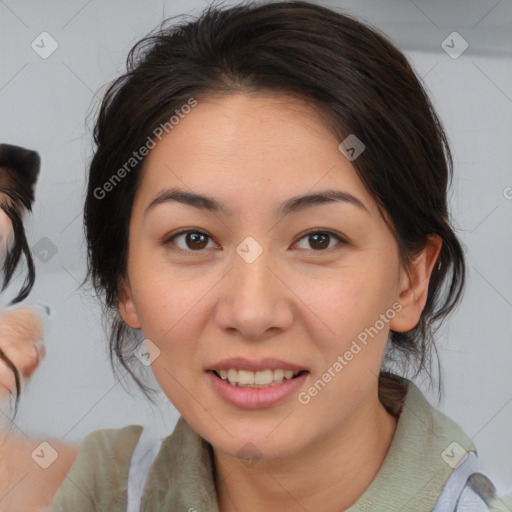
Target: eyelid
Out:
[313,231]
[342,241]
[168,239]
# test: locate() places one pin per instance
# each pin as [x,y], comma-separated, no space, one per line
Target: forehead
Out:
[250,148]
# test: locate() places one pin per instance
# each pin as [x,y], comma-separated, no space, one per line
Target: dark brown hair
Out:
[19,169]
[347,69]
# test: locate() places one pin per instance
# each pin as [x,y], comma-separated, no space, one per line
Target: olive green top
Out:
[415,469]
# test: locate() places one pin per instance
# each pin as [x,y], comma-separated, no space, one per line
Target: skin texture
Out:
[295,302]
[20,334]
[24,486]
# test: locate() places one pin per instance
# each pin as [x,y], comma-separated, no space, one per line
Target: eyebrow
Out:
[292,205]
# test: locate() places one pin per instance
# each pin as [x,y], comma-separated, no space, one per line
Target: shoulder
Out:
[116,443]
[98,477]
[479,489]
[475,499]
[473,493]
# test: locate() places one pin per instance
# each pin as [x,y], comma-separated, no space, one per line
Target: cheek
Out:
[165,297]
[166,317]
[172,326]
[355,309]
[172,316]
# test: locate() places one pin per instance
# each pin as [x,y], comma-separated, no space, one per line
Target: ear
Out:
[413,286]
[127,308]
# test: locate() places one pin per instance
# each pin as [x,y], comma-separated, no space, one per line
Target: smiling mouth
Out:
[260,379]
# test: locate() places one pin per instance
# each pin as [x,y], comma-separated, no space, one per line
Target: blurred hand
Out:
[21,334]
[24,486]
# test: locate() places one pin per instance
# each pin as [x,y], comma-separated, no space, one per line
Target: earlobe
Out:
[127,308]
[413,289]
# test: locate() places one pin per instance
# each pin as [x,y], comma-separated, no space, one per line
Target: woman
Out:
[267,222]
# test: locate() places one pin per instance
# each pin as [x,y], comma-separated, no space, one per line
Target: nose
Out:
[255,299]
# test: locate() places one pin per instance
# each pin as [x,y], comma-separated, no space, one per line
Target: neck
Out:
[330,475]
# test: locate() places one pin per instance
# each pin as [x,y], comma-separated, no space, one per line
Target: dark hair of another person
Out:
[346,69]
[19,170]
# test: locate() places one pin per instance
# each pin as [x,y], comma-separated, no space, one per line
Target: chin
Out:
[251,450]
[249,441]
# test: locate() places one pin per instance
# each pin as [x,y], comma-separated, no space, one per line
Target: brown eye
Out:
[319,240]
[196,241]
[191,241]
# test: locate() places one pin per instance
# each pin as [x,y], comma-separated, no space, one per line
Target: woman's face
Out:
[249,282]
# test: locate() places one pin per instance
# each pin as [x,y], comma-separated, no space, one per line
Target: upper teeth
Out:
[262,377]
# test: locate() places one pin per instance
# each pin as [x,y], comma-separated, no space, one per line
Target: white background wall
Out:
[44,104]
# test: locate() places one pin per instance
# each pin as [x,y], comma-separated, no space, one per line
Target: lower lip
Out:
[255,398]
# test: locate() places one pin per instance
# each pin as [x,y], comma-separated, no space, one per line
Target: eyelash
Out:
[169,240]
